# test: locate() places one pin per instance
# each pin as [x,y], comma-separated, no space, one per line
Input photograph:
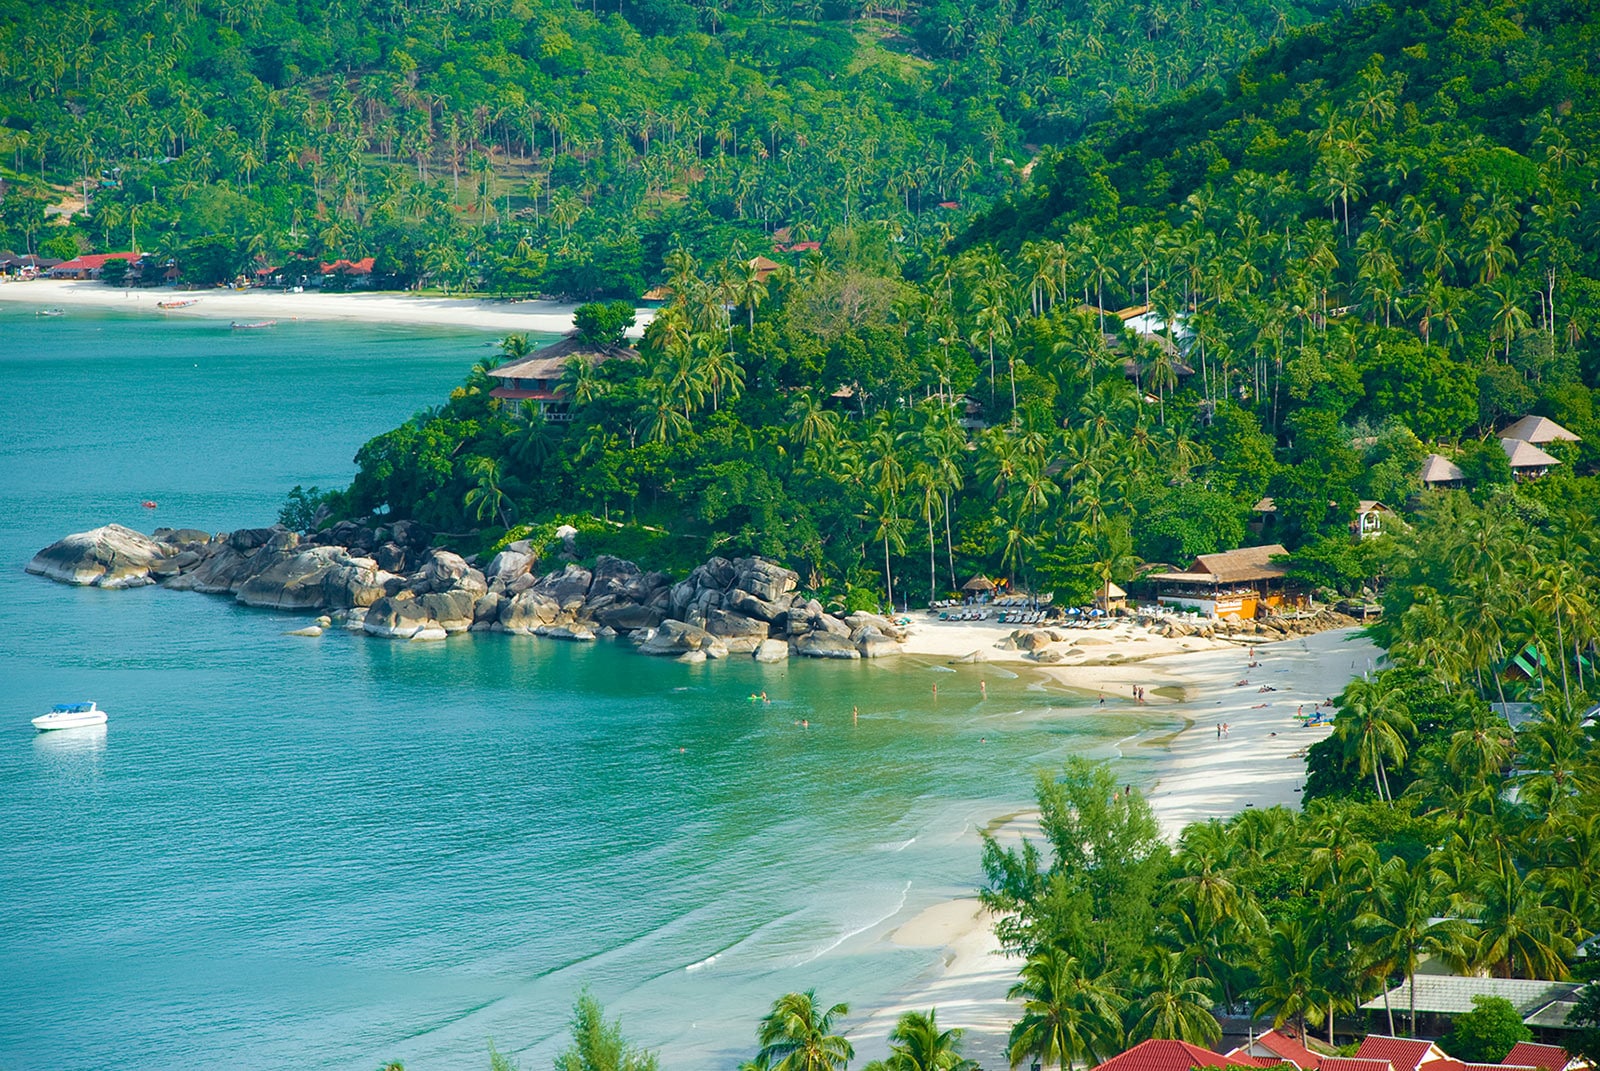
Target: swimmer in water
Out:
[855,715]
[805,723]
[983,689]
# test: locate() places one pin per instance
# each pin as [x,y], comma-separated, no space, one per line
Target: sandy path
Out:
[1199,774]
[251,305]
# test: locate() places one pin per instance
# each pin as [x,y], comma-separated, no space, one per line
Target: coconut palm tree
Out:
[917,1044]
[1518,933]
[1400,926]
[487,498]
[1369,724]
[1174,1005]
[1066,1015]
[797,1035]
[1288,987]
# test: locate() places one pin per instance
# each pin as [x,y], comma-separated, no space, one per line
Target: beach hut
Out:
[978,585]
[1113,600]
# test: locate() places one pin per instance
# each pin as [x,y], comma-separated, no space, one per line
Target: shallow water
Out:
[327,853]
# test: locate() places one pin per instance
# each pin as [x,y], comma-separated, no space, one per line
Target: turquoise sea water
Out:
[287,852]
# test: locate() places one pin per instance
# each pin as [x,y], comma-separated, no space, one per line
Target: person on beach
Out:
[1219,730]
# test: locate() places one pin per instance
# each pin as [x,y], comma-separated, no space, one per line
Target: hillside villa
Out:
[536,378]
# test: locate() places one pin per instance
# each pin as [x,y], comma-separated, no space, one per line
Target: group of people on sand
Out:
[1222,728]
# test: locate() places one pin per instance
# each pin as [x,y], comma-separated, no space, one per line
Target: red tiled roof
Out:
[354,267]
[1165,1055]
[1288,1048]
[1350,1063]
[1533,1054]
[93,261]
[1406,1054]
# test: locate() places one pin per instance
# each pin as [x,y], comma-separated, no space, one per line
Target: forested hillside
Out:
[867,419]
[536,145]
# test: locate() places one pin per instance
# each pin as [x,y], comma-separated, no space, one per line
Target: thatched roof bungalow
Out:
[1235,583]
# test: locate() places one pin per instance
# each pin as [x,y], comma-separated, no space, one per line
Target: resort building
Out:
[1403,1054]
[537,377]
[1371,516]
[1168,1055]
[1527,461]
[1440,471]
[89,265]
[1369,519]
[1377,1052]
[25,265]
[1538,430]
[1279,1047]
[1542,1004]
[1233,584]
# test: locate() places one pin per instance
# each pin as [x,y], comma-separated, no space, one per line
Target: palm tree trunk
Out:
[888,581]
[1561,645]
[1387,1011]
[949,544]
[932,579]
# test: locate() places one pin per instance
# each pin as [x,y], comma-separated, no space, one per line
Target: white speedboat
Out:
[70,716]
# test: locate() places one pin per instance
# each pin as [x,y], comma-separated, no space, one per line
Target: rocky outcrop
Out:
[386,580]
[772,651]
[108,557]
[824,644]
[293,581]
[677,638]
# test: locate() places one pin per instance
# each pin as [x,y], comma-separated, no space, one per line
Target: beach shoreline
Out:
[1199,772]
[385,307]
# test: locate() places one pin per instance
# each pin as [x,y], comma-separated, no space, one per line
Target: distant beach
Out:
[1198,772]
[547,317]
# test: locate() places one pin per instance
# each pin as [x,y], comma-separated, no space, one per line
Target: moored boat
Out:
[70,716]
[183,303]
[50,312]
[257,325]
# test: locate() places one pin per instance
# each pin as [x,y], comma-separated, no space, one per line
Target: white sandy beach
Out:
[545,317]
[1199,774]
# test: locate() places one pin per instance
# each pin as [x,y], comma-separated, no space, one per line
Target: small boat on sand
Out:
[70,716]
[183,303]
[256,326]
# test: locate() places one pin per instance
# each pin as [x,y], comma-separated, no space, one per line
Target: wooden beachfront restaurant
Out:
[1235,583]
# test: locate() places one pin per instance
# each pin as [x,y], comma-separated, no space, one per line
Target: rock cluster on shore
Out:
[389,581]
